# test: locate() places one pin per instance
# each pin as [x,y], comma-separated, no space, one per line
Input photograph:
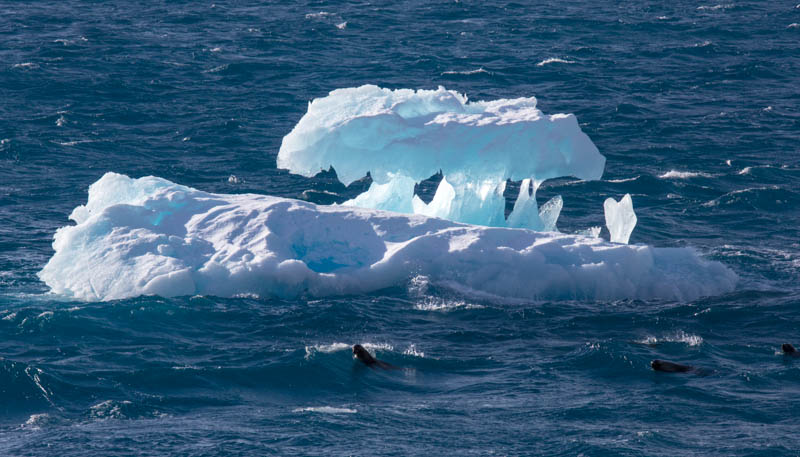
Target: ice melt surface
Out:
[151,236]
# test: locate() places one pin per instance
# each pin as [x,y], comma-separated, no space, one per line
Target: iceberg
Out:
[151,236]
[620,218]
[404,136]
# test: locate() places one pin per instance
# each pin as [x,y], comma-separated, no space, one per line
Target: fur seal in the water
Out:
[789,350]
[670,367]
[364,356]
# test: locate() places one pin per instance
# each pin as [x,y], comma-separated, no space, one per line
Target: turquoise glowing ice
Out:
[404,136]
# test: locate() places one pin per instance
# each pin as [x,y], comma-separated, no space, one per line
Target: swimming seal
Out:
[789,350]
[670,367]
[364,356]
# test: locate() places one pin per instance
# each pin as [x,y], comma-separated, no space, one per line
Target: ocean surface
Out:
[696,106]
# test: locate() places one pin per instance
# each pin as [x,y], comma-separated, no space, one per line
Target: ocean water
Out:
[694,104]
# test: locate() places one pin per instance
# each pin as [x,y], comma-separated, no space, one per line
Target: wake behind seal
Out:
[364,356]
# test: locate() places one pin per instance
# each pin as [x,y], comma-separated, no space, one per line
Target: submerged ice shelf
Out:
[404,136]
[151,236]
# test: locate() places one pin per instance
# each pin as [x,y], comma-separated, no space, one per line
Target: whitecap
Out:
[466,72]
[793,25]
[36,421]
[439,304]
[412,351]
[320,15]
[216,69]
[73,143]
[623,179]
[716,7]
[553,60]
[745,170]
[325,410]
[109,409]
[678,337]
[26,65]
[418,287]
[373,347]
[674,174]
[325,348]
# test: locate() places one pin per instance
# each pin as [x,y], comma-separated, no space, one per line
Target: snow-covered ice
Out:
[404,136]
[151,236]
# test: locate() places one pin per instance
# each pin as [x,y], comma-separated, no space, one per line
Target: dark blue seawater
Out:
[197,92]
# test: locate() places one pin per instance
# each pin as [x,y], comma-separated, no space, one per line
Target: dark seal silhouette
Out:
[789,350]
[364,356]
[670,367]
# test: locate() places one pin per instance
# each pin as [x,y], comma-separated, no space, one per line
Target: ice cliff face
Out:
[405,136]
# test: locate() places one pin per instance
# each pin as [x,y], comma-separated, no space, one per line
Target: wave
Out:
[765,198]
[553,60]
[331,348]
[674,174]
[149,236]
[621,180]
[25,65]
[678,337]
[466,72]
[716,7]
[325,410]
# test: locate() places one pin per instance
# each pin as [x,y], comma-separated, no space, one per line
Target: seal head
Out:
[788,349]
[670,367]
[364,356]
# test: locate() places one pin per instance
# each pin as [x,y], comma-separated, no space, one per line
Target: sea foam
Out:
[151,236]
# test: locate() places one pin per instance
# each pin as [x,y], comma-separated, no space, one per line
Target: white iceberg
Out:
[404,136]
[620,218]
[151,236]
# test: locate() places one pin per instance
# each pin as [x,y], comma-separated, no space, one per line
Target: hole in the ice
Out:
[426,189]
[326,188]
